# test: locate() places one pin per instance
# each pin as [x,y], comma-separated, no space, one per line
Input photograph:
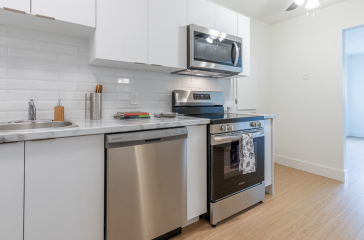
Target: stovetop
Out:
[221,118]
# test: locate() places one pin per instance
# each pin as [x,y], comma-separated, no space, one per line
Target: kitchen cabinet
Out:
[196,171]
[74,11]
[244,33]
[11,190]
[269,155]
[64,189]
[201,12]
[21,5]
[168,33]
[121,33]
[226,20]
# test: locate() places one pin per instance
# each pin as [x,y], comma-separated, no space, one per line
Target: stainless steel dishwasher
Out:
[146,184]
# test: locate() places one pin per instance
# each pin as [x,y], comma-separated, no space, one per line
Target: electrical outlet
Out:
[134,98]
[306,76]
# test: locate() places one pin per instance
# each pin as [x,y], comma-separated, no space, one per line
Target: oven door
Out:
[211,49]
[226,179]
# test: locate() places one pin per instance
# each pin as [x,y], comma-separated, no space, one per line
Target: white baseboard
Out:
[193,220]
[355,134]
[311,168]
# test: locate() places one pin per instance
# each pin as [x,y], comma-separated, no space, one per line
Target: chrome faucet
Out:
[32,111]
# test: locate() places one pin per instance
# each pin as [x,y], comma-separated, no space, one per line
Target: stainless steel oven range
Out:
[229,191]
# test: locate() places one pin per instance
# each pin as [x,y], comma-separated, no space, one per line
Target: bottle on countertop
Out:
[59,111]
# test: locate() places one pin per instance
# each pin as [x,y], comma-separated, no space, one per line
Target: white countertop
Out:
[89,127]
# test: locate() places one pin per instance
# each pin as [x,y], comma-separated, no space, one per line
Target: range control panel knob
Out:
[253,124]
[223,128]
[230,127]
[259,124]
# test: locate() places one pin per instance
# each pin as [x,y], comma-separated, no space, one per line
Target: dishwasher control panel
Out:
[172,132]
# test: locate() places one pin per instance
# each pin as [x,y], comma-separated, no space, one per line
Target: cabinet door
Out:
[64,189]
[168,33]
[244,33]
[268,152]
[74,11]
[122,30]
[201,12]
[226,20]
[22,5]
[196,171]
[11,190]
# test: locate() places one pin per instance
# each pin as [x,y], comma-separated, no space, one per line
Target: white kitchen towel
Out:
[246,154]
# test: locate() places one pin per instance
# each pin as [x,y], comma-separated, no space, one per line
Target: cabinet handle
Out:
[157,65]
[14,10]
[8,142]
[41,16]
[42,139]
[139,63]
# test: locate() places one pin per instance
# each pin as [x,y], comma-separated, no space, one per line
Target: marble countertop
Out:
[89,127]
[266,115]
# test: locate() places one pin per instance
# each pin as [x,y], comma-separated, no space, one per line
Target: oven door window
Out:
[217,50]
[226,177]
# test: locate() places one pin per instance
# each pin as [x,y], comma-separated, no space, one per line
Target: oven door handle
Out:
[216,140]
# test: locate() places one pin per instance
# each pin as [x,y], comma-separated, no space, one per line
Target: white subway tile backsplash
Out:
[49,85]
[3,95]
[2,29]
[56,66]
[16,62]
[3,51]
[13,84]
[45,67]
[54,47]
[35,95]
[27,33]
[16,42]
[24,53]
[32,74]
[83,51]
[72,59]
[73,41]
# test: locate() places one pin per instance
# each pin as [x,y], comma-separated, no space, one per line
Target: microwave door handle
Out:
[236,54]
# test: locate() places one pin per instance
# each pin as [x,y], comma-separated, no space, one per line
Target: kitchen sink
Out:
[35,124]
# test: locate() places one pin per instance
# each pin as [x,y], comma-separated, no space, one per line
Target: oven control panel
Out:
[230,127]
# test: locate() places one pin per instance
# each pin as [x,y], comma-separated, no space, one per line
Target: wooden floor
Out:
[305,206]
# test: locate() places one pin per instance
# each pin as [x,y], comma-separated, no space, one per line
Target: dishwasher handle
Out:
[144,137]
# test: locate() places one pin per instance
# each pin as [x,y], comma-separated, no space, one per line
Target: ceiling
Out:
[270,11]
[354,43]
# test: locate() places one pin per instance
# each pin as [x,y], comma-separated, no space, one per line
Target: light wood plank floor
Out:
[305,206]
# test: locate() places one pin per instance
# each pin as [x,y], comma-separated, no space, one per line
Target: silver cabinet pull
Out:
[41,16]
[139,63]
[14,10]
[157,65]
[42,139]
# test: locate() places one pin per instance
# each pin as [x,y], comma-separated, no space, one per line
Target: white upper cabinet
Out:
[201,12]
[168,33]
[75,11]
[244,33]
[11,190]
[226,20]
[122,31]
[21,5]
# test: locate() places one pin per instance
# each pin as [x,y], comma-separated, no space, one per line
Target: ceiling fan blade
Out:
[292,7]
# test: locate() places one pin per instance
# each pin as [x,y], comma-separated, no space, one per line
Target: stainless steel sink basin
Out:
[37,124]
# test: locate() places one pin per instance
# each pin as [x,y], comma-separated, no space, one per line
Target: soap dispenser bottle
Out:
[59,112]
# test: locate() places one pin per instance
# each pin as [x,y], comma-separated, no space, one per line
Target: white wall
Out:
[355,95]
[46,67]
[309,129]
[259,82]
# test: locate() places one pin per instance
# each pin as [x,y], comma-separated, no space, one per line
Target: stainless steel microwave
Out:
[211,53]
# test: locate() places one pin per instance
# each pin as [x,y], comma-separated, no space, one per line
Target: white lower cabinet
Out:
[64,189]
[196,171]
[11,190]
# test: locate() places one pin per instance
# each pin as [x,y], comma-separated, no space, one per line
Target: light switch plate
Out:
[306,76]
[133,98]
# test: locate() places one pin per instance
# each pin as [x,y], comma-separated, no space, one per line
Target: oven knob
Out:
[230,127]
[259,124]
[253,124]
[223,128]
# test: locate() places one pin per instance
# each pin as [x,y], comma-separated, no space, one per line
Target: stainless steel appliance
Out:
[211,53]
[146,185]
[229,191]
